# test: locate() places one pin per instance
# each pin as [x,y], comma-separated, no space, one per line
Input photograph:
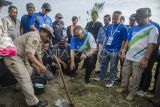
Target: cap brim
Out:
[6,3]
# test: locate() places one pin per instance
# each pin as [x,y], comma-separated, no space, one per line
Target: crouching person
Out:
[28,45]
[84,45]
[47,62]
[62,51]
[142,40]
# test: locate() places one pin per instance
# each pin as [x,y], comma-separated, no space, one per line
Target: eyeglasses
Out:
[77,36]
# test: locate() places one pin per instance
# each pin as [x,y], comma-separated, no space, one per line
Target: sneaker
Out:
[109,85]
[130,97]
[140,93]
[122,90]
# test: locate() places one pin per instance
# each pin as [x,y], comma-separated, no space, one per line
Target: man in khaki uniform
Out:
[28,49]
[11,24]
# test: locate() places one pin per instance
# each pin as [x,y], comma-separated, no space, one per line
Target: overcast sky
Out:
[70,8]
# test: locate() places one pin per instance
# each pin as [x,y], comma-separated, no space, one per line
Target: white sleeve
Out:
[92,42]
[153,36]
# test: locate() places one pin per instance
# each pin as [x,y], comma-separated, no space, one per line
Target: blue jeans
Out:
[105,58]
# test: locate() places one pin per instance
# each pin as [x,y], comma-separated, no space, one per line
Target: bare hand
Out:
[65,66]
[122,56]
[143,63]
[72,66]
[43,69]
[83,56]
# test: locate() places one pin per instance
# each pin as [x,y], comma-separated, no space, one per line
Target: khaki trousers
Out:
[131,76]
[18,68]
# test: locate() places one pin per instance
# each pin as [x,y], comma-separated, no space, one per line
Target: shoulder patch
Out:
[35,42]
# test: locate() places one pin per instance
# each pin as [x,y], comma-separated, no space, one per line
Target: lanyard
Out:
[112,33]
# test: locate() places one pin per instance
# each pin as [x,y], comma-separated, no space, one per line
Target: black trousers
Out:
[6,77]
[89,64]
[157,87]
[147,74]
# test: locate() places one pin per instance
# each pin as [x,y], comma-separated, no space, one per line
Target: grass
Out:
[92,95]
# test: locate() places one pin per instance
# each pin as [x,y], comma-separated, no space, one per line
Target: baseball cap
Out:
[133,17]
[62,41]
[59,15]
[149,10]
[48,29]
[5,3]
[142,13]
[46,6]
[30,5]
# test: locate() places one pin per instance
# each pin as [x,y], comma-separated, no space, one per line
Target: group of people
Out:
[39,40]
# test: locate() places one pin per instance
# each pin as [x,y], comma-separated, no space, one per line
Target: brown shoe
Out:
[130,97]
[122,90]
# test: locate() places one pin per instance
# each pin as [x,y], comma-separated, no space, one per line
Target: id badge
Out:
[110,39]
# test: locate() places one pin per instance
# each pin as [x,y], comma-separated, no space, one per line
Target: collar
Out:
[41,14]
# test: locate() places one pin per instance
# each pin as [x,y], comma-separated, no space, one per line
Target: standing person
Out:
[58,27]
[132,23]
[83,47]
[25,20]
[28,45]
[116,37]
[41,18]
[101,39]
[3,3]
[156,98]
[122,19]
[71,27]
[11,23]
[93,27]
[147,74]
[142,40]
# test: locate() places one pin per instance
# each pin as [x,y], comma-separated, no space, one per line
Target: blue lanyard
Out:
[112,33]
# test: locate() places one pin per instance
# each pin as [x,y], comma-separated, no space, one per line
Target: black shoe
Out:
[87,81]
[41,104]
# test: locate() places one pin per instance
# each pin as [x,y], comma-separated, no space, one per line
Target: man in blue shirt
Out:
[116,37]
[41,18]
[83,47]
[25,20]
[101,36]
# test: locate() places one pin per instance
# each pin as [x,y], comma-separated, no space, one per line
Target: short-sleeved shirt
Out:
[119,33]
[141,36]
[83,45]
[155,52]
[62,53]
[11,27]
[129,30]
[102,34]
[39,19]
[25,23]
[28,43]
[93,28]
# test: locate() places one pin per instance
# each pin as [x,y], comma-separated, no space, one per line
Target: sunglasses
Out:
[48,10]
[59,17]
